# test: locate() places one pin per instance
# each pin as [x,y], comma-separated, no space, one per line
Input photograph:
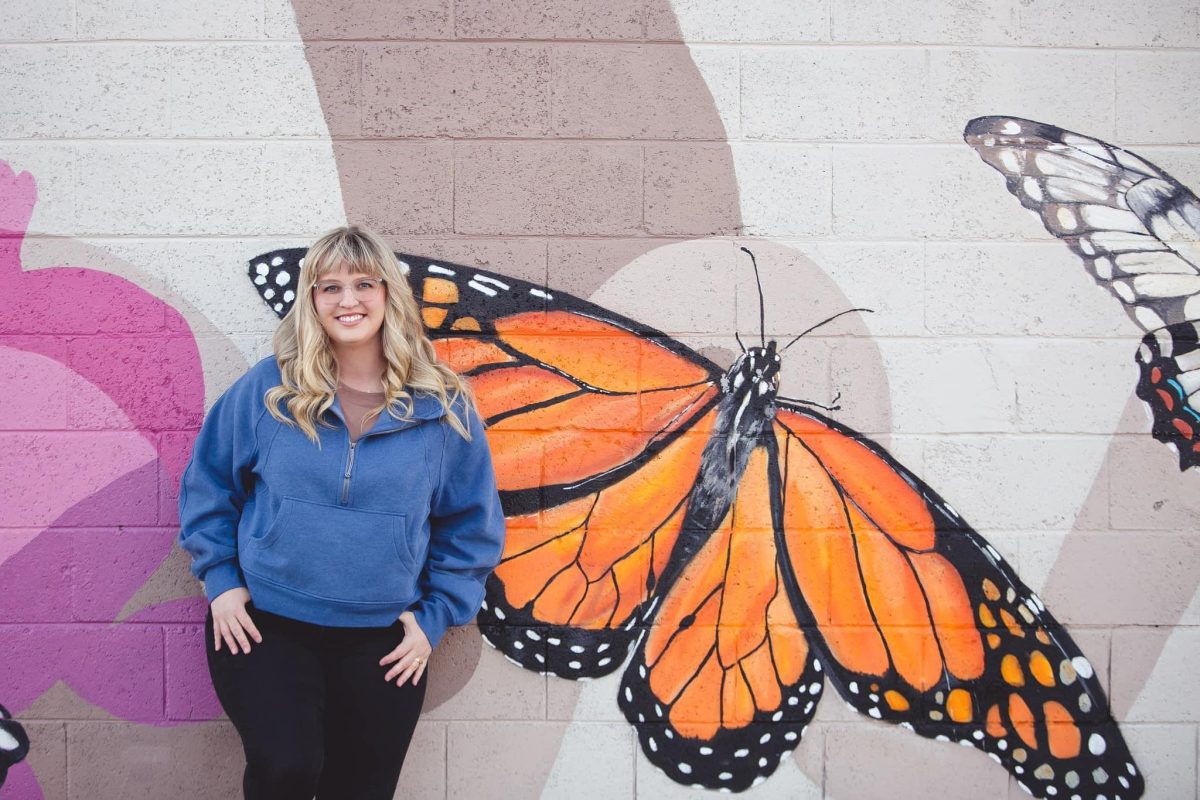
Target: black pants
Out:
[313,710]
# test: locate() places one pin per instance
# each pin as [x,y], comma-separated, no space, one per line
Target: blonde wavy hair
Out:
[306,361]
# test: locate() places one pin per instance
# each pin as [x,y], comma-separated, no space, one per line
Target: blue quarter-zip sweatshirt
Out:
[347,534]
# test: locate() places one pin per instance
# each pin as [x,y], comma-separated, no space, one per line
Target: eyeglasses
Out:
[362,289]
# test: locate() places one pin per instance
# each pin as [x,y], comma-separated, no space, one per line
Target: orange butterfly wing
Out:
[596,434]
[724,681]
[922,622]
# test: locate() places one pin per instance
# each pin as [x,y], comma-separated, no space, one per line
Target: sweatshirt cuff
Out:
[433,618]
[222,577]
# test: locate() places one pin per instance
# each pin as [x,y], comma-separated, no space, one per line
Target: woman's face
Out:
[350,306]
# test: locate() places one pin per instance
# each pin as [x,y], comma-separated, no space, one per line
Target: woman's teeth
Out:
[350,318]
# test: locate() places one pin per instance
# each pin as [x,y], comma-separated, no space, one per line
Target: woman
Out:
[341,509]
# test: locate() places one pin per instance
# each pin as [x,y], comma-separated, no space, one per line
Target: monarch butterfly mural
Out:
[731,550]
[1137,230]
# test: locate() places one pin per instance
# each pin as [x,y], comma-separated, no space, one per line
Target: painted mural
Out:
[744,547]
[14,743]
[88,508]
[716,550]
[1137,230]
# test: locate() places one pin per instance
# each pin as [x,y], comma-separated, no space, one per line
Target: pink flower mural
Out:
[104,392]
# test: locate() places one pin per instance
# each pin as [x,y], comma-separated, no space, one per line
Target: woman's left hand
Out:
[411,656]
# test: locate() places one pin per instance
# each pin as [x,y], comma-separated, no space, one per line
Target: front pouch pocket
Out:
[335,553]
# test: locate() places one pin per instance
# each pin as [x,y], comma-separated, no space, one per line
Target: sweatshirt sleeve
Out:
[466,533]
[215,485]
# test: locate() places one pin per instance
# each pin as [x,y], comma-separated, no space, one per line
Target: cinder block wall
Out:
[621,152]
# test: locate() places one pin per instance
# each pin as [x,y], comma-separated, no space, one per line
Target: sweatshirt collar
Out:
[424,407]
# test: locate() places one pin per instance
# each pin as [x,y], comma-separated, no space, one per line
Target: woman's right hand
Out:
[231,622]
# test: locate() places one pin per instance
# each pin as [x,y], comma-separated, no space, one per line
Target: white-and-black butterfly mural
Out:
[1137,230]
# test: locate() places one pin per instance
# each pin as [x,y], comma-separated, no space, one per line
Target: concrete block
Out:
[581,266]
[739,21]
[532,188]
[610,747]
[927,193]
[32,402]
[787,188]
[52,165]
[37,22]
[1149,491]
[501,759]
[398,188]
[835,93]
[42,557]
[957,772]
[118,316]
[690,190]
[948,386]
[589,701]
[518,258]
[300,193]
[886,278]
[1017,289]
[1108,23]
[179,412]
[1153,92]
[166,188]
[938,22]
[1019,482]
[617,91]
[424,773]
[206,280]
[54,457]
[159,19]
[1151,677]
[549,19]
[1183,163]
[101,671]
[1148,577]
[975,82]
[337,73]
[117,760]
[248,90]
[680,288]
[496,690]
[107,565]
[1041,368]
[1165,755]
[456,90]
[189,691]
[84,91]
[359,19]
[810,281]
[859,385]
[47,758]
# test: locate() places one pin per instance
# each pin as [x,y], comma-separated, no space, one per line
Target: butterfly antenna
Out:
[762,311]
[831,407]
[825,322]
[739,341]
